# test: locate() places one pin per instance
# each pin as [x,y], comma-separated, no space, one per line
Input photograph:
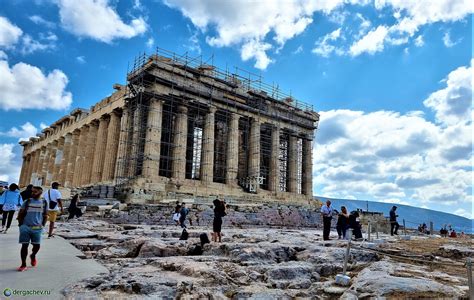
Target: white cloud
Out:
[9,164]
[9,33]
[464,213]
[81,59]
[447,40]
[298,50]
[419,13]
[323,47]
[193,41]
[45,91]
[26,131]
[371,43]
[38,20]
[237,23]
[453,104]
[3,55]
[43,126]
[30,45]
[150,43]
[400,158]
[96,19]
[419,42]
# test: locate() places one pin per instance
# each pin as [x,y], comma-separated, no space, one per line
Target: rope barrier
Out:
[411,258]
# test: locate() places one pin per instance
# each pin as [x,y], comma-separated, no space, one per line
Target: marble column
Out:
[42,165]
[53,146]
[123,145]
[80,158]
[307,182]
[292,164]
[58,160]
[99,152]
[72,158]
[135,143]
[34,169]
[274,174]
[254,152]
[151,159]
[233,150]
[65,159]
[207,153]
[24,169]
[113,136]
[89,155]
[178,168]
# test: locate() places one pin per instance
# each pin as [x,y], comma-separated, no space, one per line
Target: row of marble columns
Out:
[151,154]
[85,156]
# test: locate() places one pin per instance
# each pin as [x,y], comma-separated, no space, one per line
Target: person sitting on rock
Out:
[453,234]
[73,210]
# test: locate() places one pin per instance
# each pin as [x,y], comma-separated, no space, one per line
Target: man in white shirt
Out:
[53,196]
[326,212]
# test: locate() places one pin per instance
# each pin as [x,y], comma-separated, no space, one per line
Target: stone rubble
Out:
[150,262]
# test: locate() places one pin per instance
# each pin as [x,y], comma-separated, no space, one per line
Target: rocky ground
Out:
[147,261]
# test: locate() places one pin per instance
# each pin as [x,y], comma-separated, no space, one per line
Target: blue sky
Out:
[392,79]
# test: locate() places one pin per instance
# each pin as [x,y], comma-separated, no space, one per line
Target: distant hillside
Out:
[413,215]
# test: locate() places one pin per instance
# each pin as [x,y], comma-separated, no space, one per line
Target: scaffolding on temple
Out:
[170,116]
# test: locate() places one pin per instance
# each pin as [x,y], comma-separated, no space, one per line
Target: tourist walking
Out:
[26,194]
[342,223]
[326,212]
[53,196]
[219,212]
[73,210]
[184,211]
[31,218]
[10,201]
[393,221]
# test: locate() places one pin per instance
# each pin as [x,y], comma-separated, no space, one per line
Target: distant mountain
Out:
[413,215]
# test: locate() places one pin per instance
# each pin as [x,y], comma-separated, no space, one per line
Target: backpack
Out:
[184,235]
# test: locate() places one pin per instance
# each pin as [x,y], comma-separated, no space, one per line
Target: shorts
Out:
[217,225]
[52,215]
[30,234]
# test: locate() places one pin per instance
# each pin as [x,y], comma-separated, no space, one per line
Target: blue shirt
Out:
[35,212]
[327,211]
[11,200]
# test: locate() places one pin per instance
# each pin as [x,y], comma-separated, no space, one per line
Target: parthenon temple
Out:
[181,126]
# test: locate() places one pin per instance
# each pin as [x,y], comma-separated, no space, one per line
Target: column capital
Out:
[212,109]
[182,109]
[117,112]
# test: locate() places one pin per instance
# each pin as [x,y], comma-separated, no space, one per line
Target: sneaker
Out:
[5,232]
[33,261]
[22,269]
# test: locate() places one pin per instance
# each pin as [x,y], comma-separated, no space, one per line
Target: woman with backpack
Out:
[10,201]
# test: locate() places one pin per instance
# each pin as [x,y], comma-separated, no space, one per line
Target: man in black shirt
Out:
[393,221]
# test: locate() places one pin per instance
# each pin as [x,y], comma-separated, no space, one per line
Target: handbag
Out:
[52,204]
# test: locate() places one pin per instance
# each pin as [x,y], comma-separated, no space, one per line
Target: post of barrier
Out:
[469,277]
[377,230]
[368,229]
[343,279]
[404,228]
